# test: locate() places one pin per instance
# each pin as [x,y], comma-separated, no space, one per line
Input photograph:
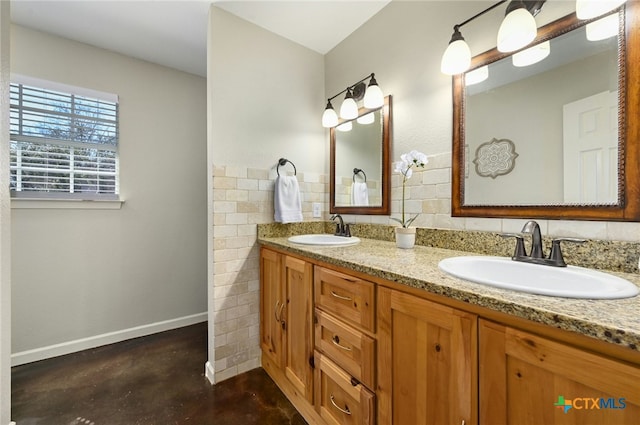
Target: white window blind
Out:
[63,144]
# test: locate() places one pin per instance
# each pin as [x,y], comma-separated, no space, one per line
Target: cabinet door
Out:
[298,314]
[427,362]
[526,379]
[272,304]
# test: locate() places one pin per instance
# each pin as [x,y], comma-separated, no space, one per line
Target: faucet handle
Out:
[519,251]
[556,253]
[347,230]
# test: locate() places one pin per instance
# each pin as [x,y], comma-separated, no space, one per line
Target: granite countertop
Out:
[613,321]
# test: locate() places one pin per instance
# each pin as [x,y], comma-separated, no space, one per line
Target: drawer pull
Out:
[278,311]
[336,342]
[346,410]
[275,311]
[340,297]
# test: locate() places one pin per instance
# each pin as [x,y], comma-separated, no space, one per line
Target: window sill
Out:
[77,204]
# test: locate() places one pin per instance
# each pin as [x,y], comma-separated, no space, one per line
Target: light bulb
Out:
[532,55]
[373,97]
[349,108]
[476,76]
[366,118]
[329,117]
[517,30]
[347,126]
[603,28]
[457,58]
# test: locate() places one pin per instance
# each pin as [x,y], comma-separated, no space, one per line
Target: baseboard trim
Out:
[210,373]
[104,339]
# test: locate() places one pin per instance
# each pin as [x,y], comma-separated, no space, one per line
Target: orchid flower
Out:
[405,167]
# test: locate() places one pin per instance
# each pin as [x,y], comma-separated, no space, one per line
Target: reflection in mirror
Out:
[551,139]
[359,177]
[566,124]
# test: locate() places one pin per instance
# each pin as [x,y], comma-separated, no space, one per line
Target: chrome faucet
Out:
[342,229]
[536,256]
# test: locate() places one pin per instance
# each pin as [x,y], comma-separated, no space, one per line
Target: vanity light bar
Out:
[517,30]
[372,98]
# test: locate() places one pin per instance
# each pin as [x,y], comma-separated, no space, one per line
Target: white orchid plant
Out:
[404,167]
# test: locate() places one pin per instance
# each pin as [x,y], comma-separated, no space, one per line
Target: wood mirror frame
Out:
[628,206]
[385,146]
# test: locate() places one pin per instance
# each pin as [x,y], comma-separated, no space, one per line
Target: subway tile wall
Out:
[243,198]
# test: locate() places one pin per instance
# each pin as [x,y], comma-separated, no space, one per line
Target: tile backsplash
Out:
[242,199]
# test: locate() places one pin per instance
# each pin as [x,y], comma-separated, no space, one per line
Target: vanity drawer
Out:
[349,348]
[337,400]
[347,297]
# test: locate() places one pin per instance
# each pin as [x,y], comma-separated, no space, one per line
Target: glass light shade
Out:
[373,97]
[476,76]
[329,118]
[517,30]
[366,118]
[349,109]
[587,9]
[347,126]
[456,59]
[532,55]
[603,28]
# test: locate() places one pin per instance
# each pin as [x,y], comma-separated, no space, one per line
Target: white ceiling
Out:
[174,32]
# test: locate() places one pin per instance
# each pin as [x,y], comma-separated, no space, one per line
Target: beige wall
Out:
[403,45]
[5,221]
[83,274]
[265,101]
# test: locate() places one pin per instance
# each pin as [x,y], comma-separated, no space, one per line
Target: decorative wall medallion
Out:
[495,158]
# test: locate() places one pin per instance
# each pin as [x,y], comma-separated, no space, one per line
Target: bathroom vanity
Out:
[370,334]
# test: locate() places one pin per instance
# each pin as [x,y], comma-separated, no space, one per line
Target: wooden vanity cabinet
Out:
[346,350]
[427,362]
[526,379]
[286,319]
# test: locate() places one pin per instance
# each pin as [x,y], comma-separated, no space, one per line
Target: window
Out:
[62,144]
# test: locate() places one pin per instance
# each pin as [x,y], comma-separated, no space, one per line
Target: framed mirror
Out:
[557,139]
[360,167]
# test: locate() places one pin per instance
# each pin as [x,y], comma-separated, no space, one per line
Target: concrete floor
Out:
[154,380]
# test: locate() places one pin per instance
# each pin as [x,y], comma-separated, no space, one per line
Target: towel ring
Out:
[358,171]
[282,162]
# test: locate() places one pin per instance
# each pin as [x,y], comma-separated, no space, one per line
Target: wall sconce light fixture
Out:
[371,96]
[517,30]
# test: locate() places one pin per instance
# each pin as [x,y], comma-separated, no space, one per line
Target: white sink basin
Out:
[570,281]
[324,240]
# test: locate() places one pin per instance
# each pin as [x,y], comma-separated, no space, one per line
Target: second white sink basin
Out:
[570,281]
[324,240]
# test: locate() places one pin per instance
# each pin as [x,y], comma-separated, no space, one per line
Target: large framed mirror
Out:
[360,167]
[558,139]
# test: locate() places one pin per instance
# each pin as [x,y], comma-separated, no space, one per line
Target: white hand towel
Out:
[287,204]
[359,194]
